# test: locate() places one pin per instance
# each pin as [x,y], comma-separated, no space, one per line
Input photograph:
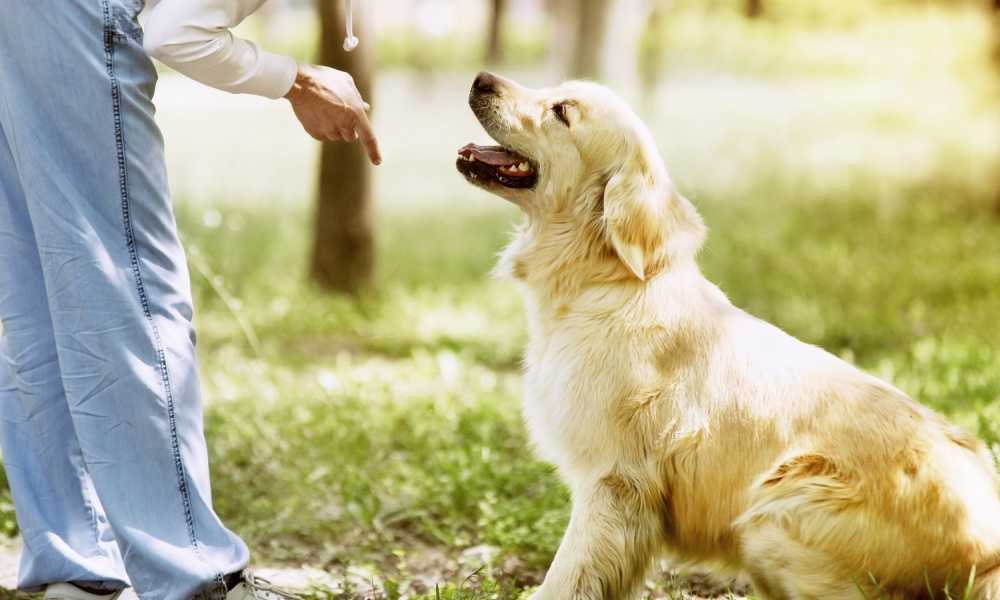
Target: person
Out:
[100,410]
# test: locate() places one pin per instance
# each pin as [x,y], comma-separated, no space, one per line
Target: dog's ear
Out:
[647,222]
[633,219]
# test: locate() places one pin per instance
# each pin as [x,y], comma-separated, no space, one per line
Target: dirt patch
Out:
[420,572]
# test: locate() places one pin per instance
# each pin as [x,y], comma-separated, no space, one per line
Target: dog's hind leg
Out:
[798,530]
[781,568]
[765,586]
[614,532]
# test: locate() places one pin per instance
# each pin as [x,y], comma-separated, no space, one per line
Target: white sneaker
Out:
[255,588]
[66,591]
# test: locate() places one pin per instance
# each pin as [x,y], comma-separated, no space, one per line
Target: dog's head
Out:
[585,170]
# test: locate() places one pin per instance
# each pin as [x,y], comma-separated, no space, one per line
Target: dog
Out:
[684,426]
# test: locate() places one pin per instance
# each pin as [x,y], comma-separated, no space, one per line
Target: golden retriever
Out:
[684,426]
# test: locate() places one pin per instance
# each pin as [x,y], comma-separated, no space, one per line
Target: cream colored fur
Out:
[683,425]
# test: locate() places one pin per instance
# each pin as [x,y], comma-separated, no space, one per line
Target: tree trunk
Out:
[582,34]
[561,38]
[494,39]
[996,31]
[653,49]
[755,9]
[995,5]
[592,18]
[343,258]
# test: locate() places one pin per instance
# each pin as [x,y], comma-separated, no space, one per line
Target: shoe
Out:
[68,591]
[251,587]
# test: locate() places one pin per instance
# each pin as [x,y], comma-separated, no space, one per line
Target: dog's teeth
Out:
[523,167]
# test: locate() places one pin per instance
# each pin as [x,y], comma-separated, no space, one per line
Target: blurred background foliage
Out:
[846,156]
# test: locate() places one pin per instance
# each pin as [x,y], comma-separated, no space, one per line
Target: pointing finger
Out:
[368,140]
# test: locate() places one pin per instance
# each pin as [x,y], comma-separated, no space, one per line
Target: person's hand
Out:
[328,105]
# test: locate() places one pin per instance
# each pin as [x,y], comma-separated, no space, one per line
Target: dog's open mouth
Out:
[484,164]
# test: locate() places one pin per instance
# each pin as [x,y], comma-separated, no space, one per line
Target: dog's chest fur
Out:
[567,400]
[592,394]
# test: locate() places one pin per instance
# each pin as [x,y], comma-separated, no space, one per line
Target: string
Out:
[351,41]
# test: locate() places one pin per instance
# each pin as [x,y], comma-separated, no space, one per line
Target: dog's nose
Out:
[485,83]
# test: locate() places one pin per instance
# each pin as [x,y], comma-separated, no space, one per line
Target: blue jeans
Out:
[100,410]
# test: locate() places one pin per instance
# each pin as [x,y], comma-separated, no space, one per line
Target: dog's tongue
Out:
[495,156]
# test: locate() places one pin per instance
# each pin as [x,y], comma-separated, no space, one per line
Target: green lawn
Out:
[848,196]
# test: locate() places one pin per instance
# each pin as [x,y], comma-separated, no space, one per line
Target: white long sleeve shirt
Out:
[194,38]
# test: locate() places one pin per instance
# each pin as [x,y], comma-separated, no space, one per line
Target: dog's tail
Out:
[987,585]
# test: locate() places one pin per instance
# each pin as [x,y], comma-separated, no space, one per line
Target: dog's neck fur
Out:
[561,258]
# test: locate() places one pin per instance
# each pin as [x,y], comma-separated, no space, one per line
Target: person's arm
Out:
[194,37]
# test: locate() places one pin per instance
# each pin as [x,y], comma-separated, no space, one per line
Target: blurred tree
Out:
[754,9]
[996,59]
[494,39]
[996,25]
[598,39]
[653,48]
[580,37]
[343,257]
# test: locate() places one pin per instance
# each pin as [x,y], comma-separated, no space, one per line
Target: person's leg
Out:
[77,108]
[66,535]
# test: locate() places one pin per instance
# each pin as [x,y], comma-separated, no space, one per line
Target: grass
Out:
[391,428]
[847,192]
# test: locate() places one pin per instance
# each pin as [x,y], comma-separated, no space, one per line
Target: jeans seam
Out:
[81,473]
[182,484]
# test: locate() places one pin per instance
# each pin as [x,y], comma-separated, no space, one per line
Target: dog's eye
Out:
[559,110]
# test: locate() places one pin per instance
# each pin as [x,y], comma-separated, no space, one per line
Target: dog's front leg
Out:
[614,532]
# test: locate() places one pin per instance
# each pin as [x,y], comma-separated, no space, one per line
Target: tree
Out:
[995,10]
[602,40]
[754,9]
[598,39]
[996,27]
[580,36]
[494,38]
[343,257]
[653,48]
[593,17]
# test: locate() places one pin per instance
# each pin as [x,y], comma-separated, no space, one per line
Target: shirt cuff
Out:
[275,75]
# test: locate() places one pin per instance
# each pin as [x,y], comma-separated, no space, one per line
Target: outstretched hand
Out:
[330,108]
